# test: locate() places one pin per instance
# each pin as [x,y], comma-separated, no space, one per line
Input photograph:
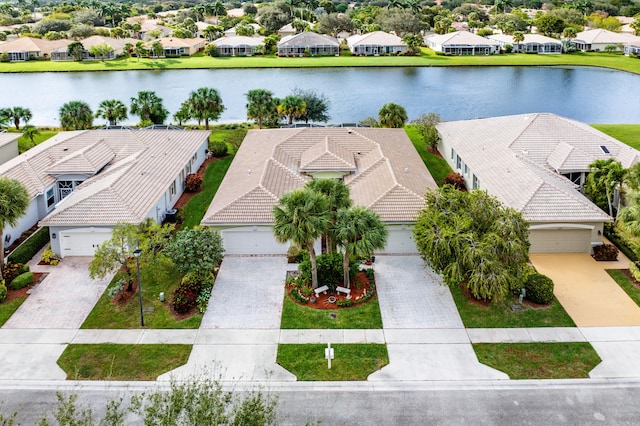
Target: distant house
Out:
[375,43]
[174,47]
[597,40]
[117,44]
[149,27]
[462,43]
[8,146]
[308,43]
[26,48]
[237,45]
[288,29]
[232,31]
[536,164]
[533,43]
[83,183]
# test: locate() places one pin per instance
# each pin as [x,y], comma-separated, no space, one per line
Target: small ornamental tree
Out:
[14,202]
[196,250]
[426,127]
[392,115]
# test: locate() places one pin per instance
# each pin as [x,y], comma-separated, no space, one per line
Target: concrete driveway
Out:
[63,300]
[588,294]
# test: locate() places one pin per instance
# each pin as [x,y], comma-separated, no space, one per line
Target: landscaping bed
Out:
[627,282]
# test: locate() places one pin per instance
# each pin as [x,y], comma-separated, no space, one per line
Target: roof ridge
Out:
[536,115]
[367,171]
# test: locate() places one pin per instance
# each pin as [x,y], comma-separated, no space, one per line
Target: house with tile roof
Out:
[532,43]
[27,48]
[598,39]
[174,47]
[536,164]
[308,43]
[116,44]
[462,43]
[8,146]
[380,166]
[375,43]
[83,183]
[237,45]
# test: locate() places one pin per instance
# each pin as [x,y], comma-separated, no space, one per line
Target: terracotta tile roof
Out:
[387,173]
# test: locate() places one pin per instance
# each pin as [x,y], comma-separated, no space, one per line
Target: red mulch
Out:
[16,294]
[435,152]
[359,286]
[628,274]
[186,196]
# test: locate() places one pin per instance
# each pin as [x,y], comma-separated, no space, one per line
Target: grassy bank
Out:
[426,59]
[626,133]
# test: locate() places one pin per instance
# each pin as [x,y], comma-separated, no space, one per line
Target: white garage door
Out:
[400,241]
[254,240]
[82,241]
[560,241]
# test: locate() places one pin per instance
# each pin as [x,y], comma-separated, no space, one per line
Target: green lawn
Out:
[625,283]
[523,361]
[107,361]
[8,308]
[627,133]
[426,58]
[351,362]
[296,316]
[437,165]
[25,143]
[161,276]
[501,316]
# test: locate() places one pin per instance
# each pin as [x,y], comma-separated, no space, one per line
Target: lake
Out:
[591,95]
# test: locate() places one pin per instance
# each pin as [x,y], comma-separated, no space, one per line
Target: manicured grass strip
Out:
[25,144]
[437,166]
[8,308]
[364,316]
[625,283]
[539,360]
[198,205]
[161,276]
[108,361]
[425,59]
[352,361]
[501,316]
[626,133]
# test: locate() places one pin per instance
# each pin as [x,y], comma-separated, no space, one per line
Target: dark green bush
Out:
[218,149]
[370,274]
[191,287]
[21,281]
[612,234]
[3,292]
[30,247]
[539,288]
[25,268]
[329,270]
[298,297]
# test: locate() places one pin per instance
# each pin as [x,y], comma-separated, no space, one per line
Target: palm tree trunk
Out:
[314,266]
[1,252]
[260,122]
[345,266]
[206,123]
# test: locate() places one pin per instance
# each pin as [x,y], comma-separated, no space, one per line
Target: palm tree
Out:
[157,49]
[301,217]
[569,32]
[392,115]
[148,106]
[500,6]
[518,38]
[14,202]
[76,115]
[605,176]
[338,195]
[139,50]
[17,114]
[261,105]
[30,132]
[360,232]
[112,110]
[292,107]
[205,104]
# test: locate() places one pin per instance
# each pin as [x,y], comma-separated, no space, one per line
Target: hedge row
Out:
[30,247]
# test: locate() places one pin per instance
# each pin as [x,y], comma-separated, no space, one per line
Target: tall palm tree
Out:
[392,115]
[605,176]
[112,110]
[148,106]
[30,132]
[261,105]
[518,38]
[205,104]
[301,217]
[17,114]
[76,115]
[360,232]
[292,107]
[14,202]
[338,195]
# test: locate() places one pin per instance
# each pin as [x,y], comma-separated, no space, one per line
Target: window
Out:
[195,156]
[51,198]
[182,177]
[605,149]
[458,162]
[172,189]
[453,153]
[466,169]
[476,183]
[65,187]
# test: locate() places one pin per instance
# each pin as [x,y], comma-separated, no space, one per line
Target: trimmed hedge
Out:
[22,281]
[218,149]
[30,247]
[3,292]
[539,289]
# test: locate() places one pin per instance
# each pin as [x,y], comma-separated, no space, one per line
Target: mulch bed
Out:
[628,274]
[16,294]
[359,285]
[186,196]
[486,303]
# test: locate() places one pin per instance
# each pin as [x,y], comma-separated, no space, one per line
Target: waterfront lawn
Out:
[500,315]
[161,276]
[522,361]
[364,316]
[437,165]
[108,361]
[352,361]
[626,133]
[625,283]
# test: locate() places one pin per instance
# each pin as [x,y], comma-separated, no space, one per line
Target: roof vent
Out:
[406,170]
[249,171]
[349,131]
[605,149]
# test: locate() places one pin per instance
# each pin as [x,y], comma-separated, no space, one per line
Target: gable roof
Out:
[308,38]
[387,174]
[235,41]
[519,159]
[460,38]
[378,38]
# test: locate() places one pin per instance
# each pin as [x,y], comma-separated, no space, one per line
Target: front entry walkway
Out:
[586,291]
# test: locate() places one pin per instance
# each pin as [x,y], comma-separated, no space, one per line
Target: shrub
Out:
[11,271]
[3,292]
[194,289]
[193,182]
[456,180]
[298,297]
[605,252]
[307,291]
[116,288]
[634,268]
[296,255]
[329,270]
[344,303]
[49,257]
[180,216]
[24,269]
[21,281]
[218,149]
[30,247]
[508,48]
[539,289]
[184,300]
[483,32]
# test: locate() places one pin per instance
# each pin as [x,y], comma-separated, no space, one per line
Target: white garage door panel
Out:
[400,241]
[560,241]
[248,241]
[83,241]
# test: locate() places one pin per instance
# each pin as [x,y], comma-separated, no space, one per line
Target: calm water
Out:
[591,95]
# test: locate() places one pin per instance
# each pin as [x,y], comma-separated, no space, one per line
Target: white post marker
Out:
[328,354]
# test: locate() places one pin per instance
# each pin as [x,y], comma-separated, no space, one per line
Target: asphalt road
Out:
[534,403]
